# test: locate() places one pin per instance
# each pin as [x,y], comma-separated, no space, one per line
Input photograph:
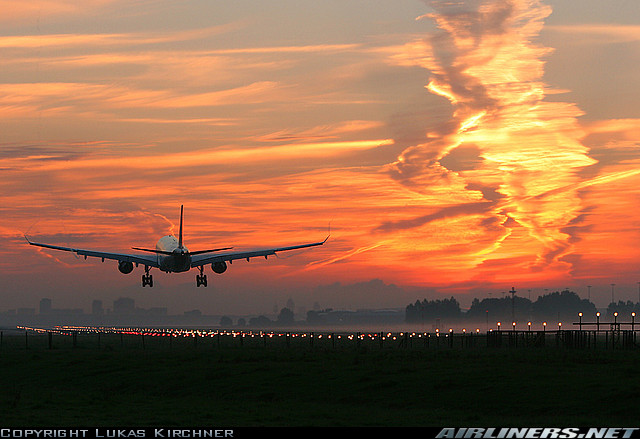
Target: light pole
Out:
[580,315]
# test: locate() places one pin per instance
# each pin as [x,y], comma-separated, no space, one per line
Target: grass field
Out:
[123,382]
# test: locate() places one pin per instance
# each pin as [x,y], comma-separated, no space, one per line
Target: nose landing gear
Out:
[201,279]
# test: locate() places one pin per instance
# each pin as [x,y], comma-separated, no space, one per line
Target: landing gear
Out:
[201,279]
[147,279]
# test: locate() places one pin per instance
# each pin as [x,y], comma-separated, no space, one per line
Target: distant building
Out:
[124,305]
[96,308]
[67,311]
[155,311]
[45,306]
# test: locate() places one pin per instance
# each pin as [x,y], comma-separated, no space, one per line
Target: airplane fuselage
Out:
[179,260]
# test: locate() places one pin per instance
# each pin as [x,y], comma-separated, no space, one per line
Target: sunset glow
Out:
[453,148]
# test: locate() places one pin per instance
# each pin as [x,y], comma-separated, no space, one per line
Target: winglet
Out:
[180,236]
[325,239]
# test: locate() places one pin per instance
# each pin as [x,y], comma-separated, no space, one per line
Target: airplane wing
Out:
[199,260]
[149,260]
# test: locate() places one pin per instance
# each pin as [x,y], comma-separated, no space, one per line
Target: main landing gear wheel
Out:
[147,279]
[201,279]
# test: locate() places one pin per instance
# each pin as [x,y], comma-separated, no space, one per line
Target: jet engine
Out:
[125,267]
[219,267]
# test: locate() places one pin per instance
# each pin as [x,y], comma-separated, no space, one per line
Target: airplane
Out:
[171,256]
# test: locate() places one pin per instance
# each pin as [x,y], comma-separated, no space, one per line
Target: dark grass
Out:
[118,382]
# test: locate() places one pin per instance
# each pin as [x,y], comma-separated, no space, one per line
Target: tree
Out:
[563,305]
[500,310]
[624,310]
[430,310]
[285,317]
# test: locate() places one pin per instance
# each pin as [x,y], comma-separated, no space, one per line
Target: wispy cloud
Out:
[485,62]
[599,33]
[12,11]
[199,158]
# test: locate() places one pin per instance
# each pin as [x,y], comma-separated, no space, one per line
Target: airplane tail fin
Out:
[180,235]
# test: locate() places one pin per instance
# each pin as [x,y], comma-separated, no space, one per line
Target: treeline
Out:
[560,306]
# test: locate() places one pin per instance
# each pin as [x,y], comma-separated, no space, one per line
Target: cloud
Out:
[526,153]
[466,209]
[590,34]
[20,11]
[108,41]
[199,158]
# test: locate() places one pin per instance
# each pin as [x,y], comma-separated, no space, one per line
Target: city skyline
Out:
[124,305]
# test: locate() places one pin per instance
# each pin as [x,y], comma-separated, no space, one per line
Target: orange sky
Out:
[455,149]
